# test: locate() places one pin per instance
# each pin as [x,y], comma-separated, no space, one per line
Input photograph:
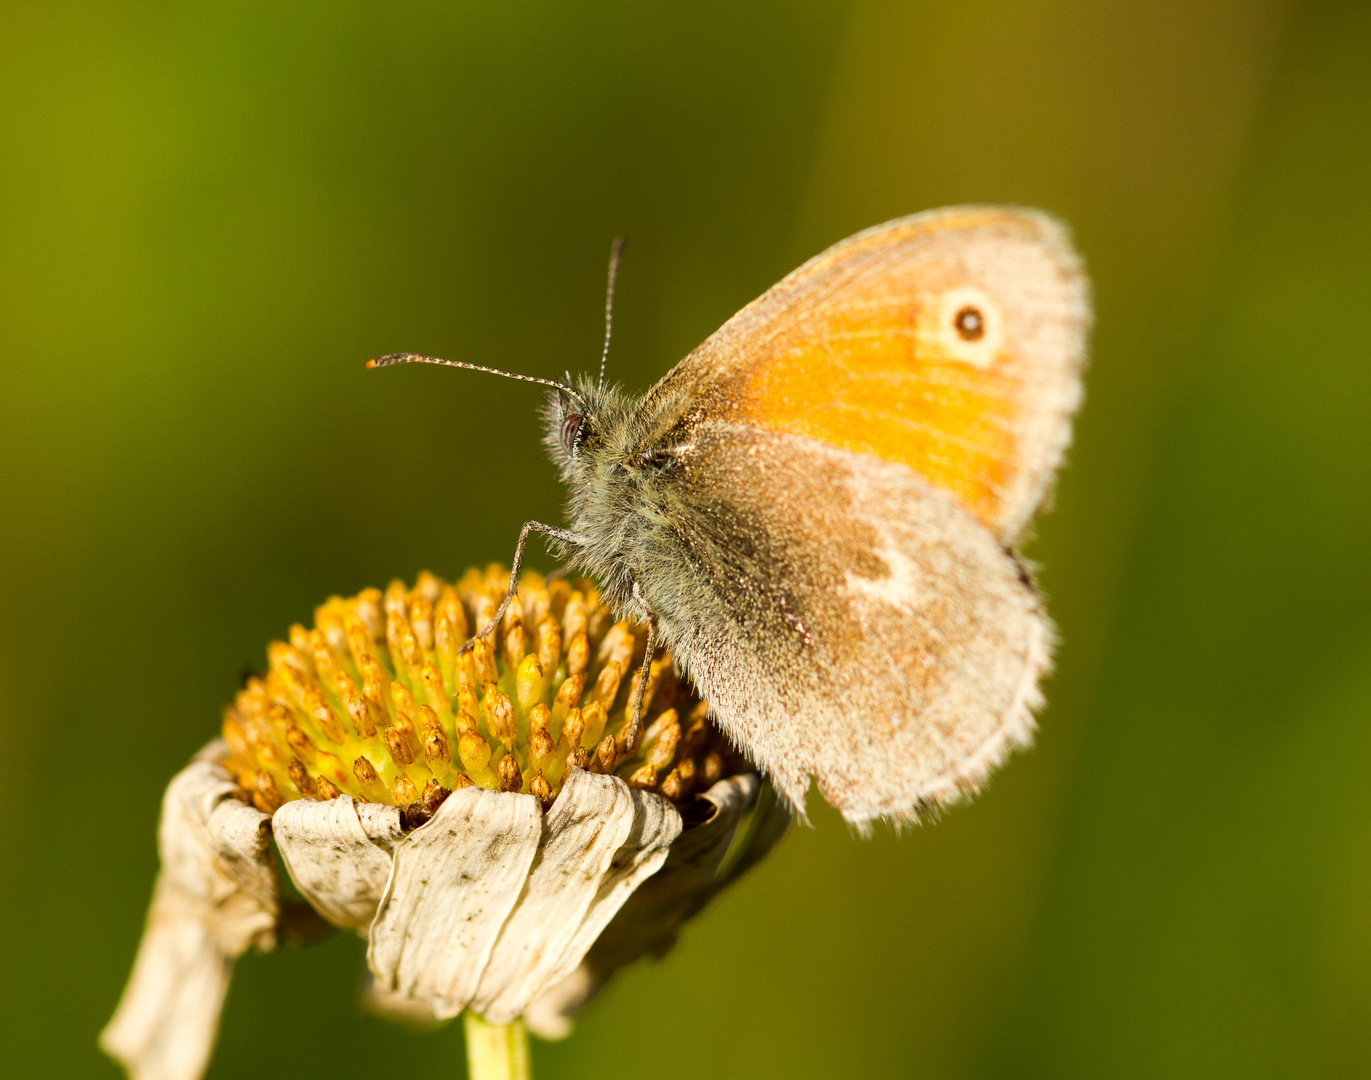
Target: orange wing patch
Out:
[886,382]
[949,342]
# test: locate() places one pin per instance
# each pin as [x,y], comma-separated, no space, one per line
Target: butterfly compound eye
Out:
[970,323]
[571,427]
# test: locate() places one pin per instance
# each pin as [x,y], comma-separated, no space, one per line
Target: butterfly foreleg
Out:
[529,526]
[635,709]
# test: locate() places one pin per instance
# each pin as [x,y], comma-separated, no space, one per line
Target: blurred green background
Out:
[211,214]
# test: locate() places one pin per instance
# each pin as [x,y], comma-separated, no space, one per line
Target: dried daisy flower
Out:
[474,813]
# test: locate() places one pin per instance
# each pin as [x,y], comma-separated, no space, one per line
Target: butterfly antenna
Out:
[614,254]
[414,358]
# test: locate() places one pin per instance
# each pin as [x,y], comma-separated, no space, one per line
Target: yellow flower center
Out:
[381,702]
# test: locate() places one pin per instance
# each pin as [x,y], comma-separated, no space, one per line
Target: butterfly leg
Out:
[529,526]
[635,710]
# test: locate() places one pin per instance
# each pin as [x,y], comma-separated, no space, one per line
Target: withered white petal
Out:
[381,823]
[215,896]
[549,1015]
[168,1017]
[240,836]
[455,880]
[656,824]
[768,824]
[339,855]
[393,1006]
[656,911]
[584,836]
[651,918]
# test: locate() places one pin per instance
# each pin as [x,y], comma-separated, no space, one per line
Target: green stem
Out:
[496,1051]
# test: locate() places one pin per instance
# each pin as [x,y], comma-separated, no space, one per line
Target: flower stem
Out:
[496,1051]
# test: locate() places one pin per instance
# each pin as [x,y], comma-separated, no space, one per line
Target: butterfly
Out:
[816,512]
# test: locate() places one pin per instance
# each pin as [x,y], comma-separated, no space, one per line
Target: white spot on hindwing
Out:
[898,589]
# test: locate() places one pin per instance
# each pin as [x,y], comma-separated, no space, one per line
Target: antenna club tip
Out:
[392,358]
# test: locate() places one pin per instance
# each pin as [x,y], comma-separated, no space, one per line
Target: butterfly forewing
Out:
[949,342]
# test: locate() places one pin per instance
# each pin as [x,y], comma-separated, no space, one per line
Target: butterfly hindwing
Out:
[848,621]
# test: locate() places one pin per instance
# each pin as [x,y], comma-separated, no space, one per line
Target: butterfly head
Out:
[585,428]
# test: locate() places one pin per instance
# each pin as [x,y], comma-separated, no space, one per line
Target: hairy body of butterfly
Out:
[819,506]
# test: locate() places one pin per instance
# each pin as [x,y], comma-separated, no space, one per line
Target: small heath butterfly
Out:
[816,511]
